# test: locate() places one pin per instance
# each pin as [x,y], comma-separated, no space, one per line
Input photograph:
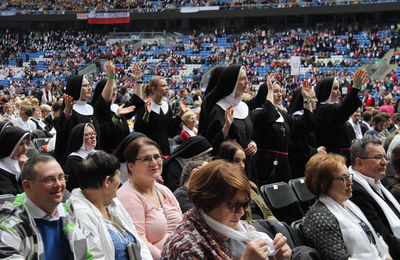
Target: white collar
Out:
[190,132]
[156,107]
[299,112]
[81,107]
[39,213]
[280,118]
[82,152]
[240,109]
[392,218]
[10,165]
[355,239]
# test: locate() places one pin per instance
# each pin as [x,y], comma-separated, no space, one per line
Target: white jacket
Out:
[98,238]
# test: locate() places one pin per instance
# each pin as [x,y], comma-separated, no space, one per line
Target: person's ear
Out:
[129,165]
[106,182]
[26,185]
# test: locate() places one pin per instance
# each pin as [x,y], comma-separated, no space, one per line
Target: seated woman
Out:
[189,121]
[81,143]
[108,227]
[334,225]
[232,152]
[152,206]
[212,229]
[14,142]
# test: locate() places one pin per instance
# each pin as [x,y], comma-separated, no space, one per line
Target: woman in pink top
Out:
[387,107]
[152,206]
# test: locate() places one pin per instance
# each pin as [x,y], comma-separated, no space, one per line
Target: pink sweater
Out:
[148,218]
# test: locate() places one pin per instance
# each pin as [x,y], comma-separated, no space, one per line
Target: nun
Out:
[195,148]
[304,146]
[229,116]
[274,132]
[120,154]
[75,110]
[212,82]
[14,142]
[332,132]
[81,143]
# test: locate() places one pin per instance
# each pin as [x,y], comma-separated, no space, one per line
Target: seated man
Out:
[393,183]
[37,225]
[368,165]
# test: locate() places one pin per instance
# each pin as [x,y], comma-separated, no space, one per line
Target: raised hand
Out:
[109,68]
[148,106]
[306,90]
[359,77]
[229,115]
[69,102]
[122,110]
[137,73]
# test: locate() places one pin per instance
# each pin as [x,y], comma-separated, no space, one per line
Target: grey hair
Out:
[359,148]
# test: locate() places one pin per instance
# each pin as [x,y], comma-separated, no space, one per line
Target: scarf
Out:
[356,128]
[355,238]
[240,233]
[190,132]
[82,152]
[393,220]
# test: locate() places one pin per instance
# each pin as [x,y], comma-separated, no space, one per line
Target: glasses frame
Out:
[344,178]
[52,180]
[157,158]
[376,157]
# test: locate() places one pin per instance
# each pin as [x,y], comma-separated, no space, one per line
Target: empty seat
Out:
[300,188]
[39,142]
[283,202]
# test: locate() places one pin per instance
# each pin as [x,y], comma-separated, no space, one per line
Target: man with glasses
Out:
[368,165]
[37,225]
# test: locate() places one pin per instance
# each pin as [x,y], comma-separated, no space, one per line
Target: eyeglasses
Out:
[148,159]
[344,178]
[236,206]
[376,157]
[51,180]
[90,134]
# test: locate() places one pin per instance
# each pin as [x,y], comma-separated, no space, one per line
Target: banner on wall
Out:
[108,18]
[295,65]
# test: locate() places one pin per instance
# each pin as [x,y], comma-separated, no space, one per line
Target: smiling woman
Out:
[152,206]
[220,193]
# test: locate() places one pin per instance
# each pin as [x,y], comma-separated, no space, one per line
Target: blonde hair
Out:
[153,83]
[186,116]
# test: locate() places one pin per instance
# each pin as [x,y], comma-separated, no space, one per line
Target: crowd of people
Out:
[134,169]
[155,6]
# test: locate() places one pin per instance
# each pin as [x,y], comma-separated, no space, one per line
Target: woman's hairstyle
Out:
[228,149]
[153,83]
[320,171]
[28,109]
[133,148]
[96,168]
[216,183]
[186,115]
[388,99]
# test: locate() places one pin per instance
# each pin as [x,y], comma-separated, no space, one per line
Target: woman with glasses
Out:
[334,225]
[232,152]
[220,192]
[81,142]
[109,229]
[152,206]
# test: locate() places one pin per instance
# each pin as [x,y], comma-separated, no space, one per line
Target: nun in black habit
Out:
[121,154]
[195,146]
[74,110]
[212,82]
[331,131]
[81,143]
[14,142]
[303,147]
[229,116]
[274,131]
